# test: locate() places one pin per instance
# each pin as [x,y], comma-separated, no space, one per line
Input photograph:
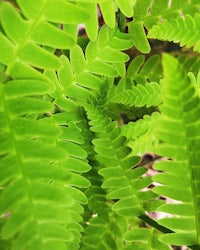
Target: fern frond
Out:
[103,229]
[30,28]
[103,58]
[148,13]
[184,30]
[139,74]
[69,175]
[140,95]
[118,167]
[97,203]
[76,164]
[142,72]
[42,161]
[178,130]
[29,168]
[107,51]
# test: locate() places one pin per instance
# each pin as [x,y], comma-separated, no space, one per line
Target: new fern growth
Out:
[78,113]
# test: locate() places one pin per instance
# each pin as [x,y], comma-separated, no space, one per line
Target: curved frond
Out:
[184,30]
[178,130]
[140,73]
[150,12]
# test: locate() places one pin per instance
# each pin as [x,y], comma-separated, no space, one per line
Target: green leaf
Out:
[20,88]
[58,11]
[24,105]
[139,37]
[108,11]
[6,49]
[126,7]
[49,35]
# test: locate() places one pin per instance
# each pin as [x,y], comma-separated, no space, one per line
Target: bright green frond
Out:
[122,179]
[41,167]
[28,166]
[126,7]
[184,30]
[178,131]
[140,95]
[139,86]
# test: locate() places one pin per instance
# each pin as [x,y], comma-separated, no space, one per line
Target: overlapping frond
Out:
[148,13]
[178,130]
[184,30]
[102,227]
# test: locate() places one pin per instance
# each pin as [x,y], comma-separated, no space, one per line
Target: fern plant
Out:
[78,114]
